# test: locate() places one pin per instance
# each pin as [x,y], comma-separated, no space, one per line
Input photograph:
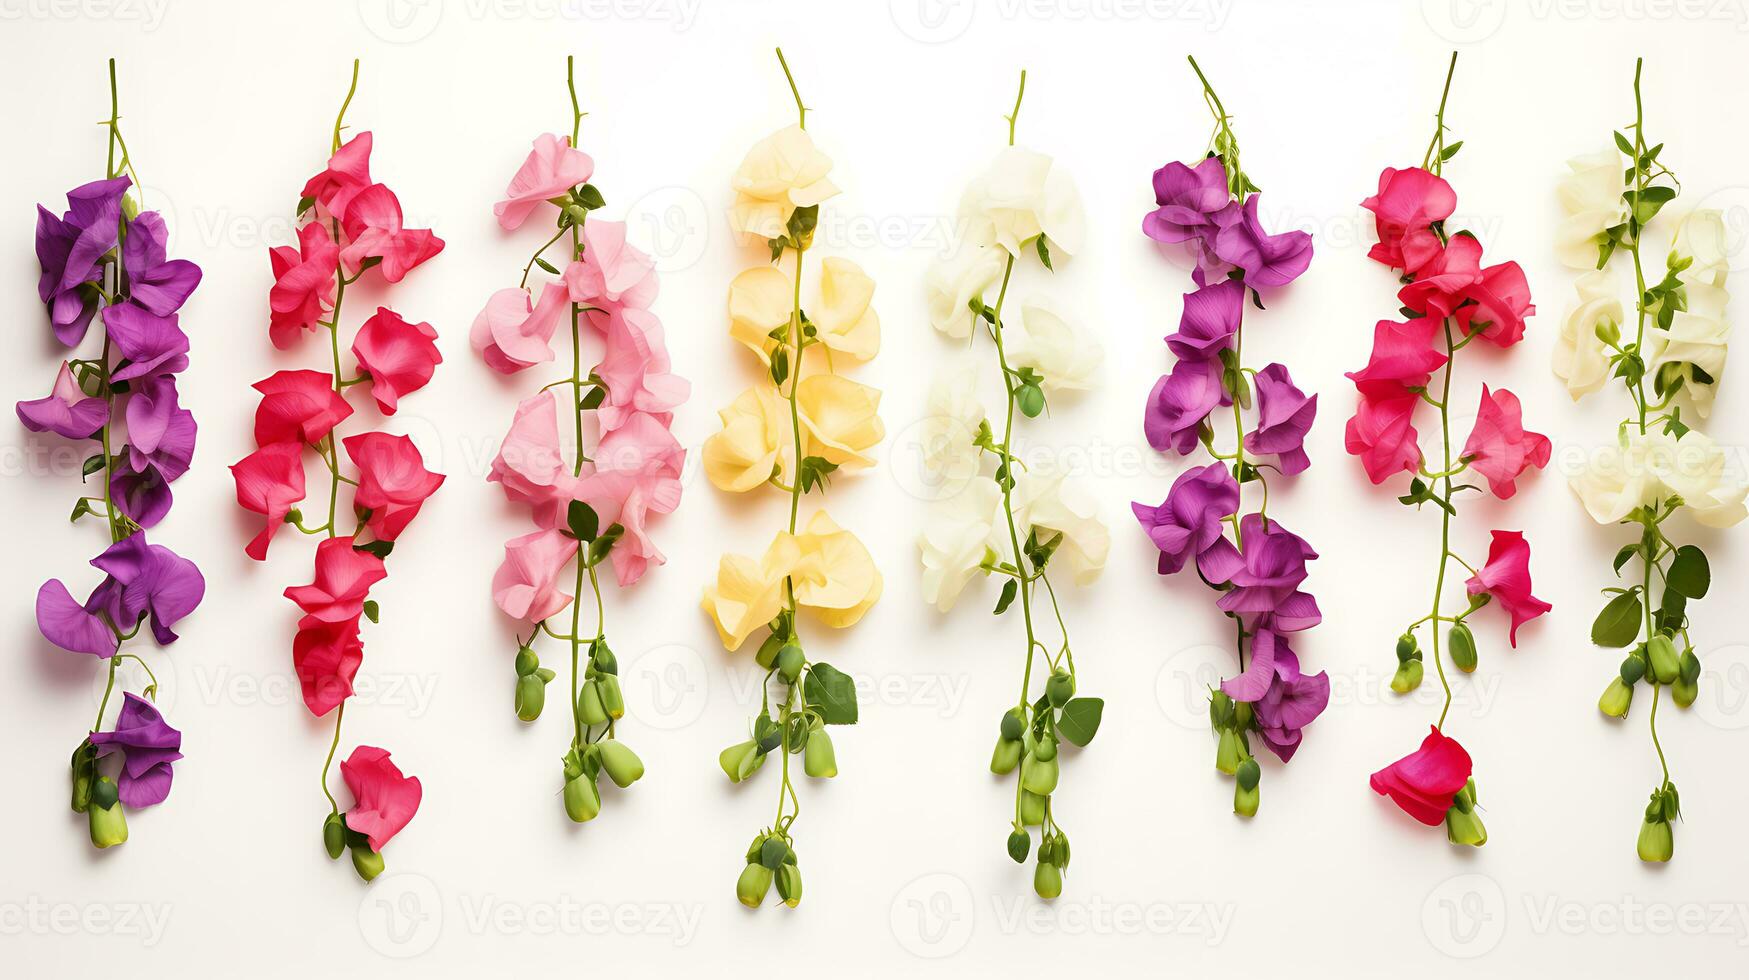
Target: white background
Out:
[228,108]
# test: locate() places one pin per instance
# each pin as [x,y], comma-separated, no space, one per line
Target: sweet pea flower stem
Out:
[103,372]
[1445,554]
[1436,147]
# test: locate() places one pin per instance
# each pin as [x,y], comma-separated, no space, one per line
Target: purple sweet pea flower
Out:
[1268,260]
[1284,416]
[1267,578]
[1289,706]
[1211,318]
[148,746]
[160,431]
[159,284]
[152,345]
[140,489]
[1187,197]
[1180,402]
[1271,657]
[1188,524]
[71,626]
[67,411]
[69,247]
[141,579]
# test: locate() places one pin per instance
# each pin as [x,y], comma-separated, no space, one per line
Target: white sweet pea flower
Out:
[1023,195]
[1701,237]
[949,428]
[956,536]
[1580,358]
[1044,500]
[1591,194]
[1644,469]
[1066,356]
[973,270]
[1696,342]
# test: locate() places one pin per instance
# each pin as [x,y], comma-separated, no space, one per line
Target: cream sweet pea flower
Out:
[1023,195]
[1701,237]
[1696,342]
[761,299]
[1580,358]
[958,533]
[951,284]
[1591,194]
[835,575]
[948,432]
[755,441]
[843,320]
[1067,357]
[839,419]
[748,594]
[1045,500]
[782,172]
[1643,469]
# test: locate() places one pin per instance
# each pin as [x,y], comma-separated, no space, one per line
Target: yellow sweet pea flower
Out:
[838,416]
[834,575]
[780,173]
[843,319]
[748,594]
[755,440]
[760,300]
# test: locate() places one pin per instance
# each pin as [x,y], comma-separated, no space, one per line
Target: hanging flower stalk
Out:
[1254,562]
[596,506]
[803,424]
[349,226]
[996,515]
[1669,355]
[104,262]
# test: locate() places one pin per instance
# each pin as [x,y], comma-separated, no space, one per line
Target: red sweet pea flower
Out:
[400,356]
[1382,432]
[1444,280]
[1424,782]
[347,174]
[1402,357]
[298,407]
[1499,448]
[373,223]
[269,481]
[1408,202]
[384,799]
[1501,301]
[303,283]
[326,657]
[392,480]
[1506,577]
[344,576]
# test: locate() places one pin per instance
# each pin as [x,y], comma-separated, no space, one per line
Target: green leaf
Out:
[585,524]
[1647,203]
[832,693]
[590,197]
[92,465]
[1625,555]
[779,366]
[81,508]
[1451,151]
[1079,721]
[304,204]
[1625,145]
[371,610]
[543,263]
[814,472]
[1689,572]
[1010,589]
[1044,253]
[599,548]
[597,395]
[1619,623]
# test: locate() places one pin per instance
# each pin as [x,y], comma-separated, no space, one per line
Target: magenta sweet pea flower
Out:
[344,575]
[345,177]
[148,746]
[1382,432]
[67,411]
[1180,402]
[303,283]
[1407,203]
[269,481]
[373,222]
[384,799]
[399,356]
[1499,302]
[1499,448]
[1402,357]
[1425,782]
[326,657]
[392,481]
[1506,577]
[1268,260]
[298,407]
[1188,523]
[1445,279]
[1284,416]
[1211,318]
[1188,197]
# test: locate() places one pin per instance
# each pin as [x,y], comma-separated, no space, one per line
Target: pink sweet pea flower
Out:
[1506,577]
[1444,280]
[1500,302]
[344,576]
[1425,782]
[269,481]
[612,272]
[1499,448]
[1402,357]
[530,465]
[1382,433]
[392,481]
[399,356]
[1407,203]
[67,411]
[385,800]
[326,657]
[526,586]
[553,167]
[298,407]
[303,283]
[510,334]
[347,174]
[636,368]
[373,223]
[636,473]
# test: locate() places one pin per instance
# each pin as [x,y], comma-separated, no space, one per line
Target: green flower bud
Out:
[754,882]
[790,661]
[84,772]
[1047,880]
[1407,648]
[1032,809]
[1038,776]
[1013,724]
[366,862]
[1408,677]
[818,760]
[1684,692]
[612,700]
[1006,756]
[773,851]
[1220,710]
[334,836]
[576,214]
[1245,800]
[1045,750]
[603,658]
[1060,688]
[1656,842]
[767,655]
[1463,647]
[1689,668]
[1665,664]
[108,820]
[526,661]
[1249,774]
[1060,852]
[621,764]
[1633,667]
[740,760]
[531,696]
[1465,828]
[1031,401]
[582,799]
[1227,754]
[1616,698]
[1242,713]
[789,885]
[589,705]
[1019,844]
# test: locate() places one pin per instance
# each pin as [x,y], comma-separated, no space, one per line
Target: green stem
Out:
[801,110]
[1444,512]
[339,716]
[1434,160]
[341,118]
